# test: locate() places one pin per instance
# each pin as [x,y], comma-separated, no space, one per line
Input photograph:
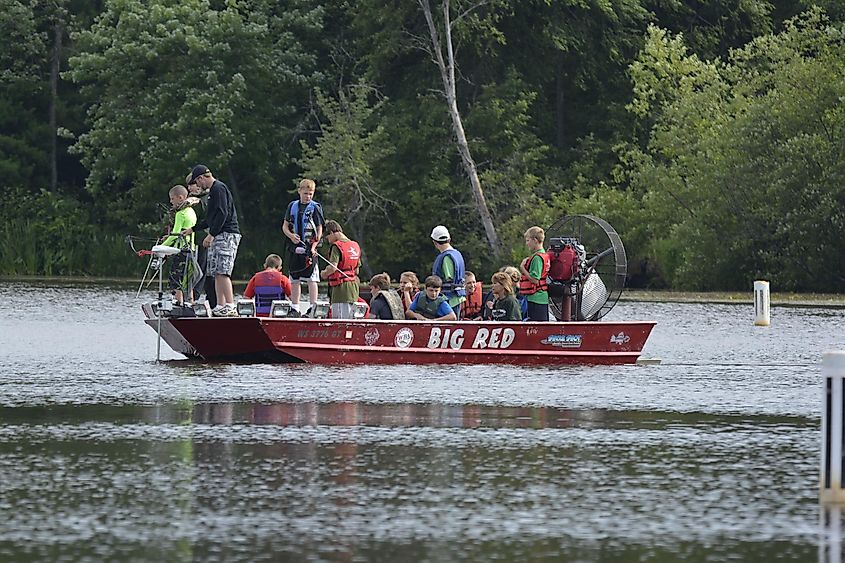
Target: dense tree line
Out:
[708,132]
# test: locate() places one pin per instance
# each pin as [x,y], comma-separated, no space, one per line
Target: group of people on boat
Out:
[450,293]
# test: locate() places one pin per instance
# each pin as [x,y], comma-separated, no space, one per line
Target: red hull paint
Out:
[415,342]
[404,342]
[229,338]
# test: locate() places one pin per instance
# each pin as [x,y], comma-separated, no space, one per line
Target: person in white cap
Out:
[449,266]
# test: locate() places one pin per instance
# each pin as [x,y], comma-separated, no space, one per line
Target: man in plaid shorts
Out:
[223,238]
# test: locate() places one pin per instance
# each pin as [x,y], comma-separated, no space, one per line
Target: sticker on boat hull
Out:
[563,340]
[404,337]
[371,336]
[620,338]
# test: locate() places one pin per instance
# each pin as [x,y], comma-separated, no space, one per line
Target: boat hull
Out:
[326,341]
[235,339]
[427,342]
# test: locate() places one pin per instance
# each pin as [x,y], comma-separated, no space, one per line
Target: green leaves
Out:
[745,159]
[175,83]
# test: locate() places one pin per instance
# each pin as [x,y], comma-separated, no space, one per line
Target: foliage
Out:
[341,161]
[711,140]
[174,83]
[742,177]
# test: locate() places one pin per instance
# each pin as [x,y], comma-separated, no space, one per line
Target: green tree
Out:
[172,83]
[742,177]
[341,160]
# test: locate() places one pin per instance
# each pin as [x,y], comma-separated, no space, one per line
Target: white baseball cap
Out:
[440,234]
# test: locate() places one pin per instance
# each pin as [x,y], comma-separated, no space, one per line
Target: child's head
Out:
[534,237]
[306,190]
[512,272]
[409,278]
[380,282]
[273,261]
[502,284]
[178,194]
[433,284]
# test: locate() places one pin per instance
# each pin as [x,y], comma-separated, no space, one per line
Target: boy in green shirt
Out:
[534,271]
[184,217]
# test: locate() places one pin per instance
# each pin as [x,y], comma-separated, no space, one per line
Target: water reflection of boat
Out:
[404,342]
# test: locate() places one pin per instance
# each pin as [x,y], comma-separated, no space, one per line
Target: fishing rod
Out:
[335,267]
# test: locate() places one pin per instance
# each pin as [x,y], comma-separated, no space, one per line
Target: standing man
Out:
[206,282]
[449,267]
[342,271]
[223,238]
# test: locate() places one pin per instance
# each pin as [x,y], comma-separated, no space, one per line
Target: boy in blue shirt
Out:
[429,304]
[303,226]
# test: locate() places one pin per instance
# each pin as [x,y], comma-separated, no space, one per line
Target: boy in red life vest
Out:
[471,309]
[268,285]
[534,270]
[342,271]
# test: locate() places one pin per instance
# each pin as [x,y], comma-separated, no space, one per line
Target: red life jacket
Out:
[526,285]
[350,255]
[563,264]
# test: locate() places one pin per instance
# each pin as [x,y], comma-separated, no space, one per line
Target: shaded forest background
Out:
[710,133]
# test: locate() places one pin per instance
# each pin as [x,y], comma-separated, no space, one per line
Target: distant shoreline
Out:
[834,300]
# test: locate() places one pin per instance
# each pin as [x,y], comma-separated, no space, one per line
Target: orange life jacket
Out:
[527,286]
[472,306]
[350,256]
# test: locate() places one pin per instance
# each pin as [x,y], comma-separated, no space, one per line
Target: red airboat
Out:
[594,288]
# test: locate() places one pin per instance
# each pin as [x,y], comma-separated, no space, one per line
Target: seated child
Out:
[429,304]
[268,285]
[505,307]
[409,286]
[471,309]
[183,218]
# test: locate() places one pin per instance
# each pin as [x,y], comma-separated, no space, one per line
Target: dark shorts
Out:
[538,312]
[177,270]
[300,272]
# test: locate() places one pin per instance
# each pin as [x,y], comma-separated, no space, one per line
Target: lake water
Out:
[107,455]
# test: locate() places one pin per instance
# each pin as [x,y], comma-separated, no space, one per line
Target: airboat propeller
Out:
[590,287]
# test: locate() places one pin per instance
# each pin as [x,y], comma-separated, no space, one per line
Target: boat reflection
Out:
[388,415]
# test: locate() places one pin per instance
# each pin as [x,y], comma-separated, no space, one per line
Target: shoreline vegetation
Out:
[832,300]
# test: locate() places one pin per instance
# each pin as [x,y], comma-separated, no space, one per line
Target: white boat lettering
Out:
[481,338]
[446,338]
[484,338]
[508,336]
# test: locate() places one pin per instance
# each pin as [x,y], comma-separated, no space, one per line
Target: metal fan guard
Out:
[598,290]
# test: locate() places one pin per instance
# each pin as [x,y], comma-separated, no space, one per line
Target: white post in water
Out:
[830,533]
[833,436]
[761,303]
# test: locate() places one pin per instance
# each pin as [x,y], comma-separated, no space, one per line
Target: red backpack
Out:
[563,263]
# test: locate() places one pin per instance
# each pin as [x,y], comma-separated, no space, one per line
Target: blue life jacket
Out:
[456,286]
[299,226]
[264,297]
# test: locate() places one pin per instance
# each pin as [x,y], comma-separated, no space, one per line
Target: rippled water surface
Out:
[107,455]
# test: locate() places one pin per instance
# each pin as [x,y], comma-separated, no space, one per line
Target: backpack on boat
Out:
[564,266]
